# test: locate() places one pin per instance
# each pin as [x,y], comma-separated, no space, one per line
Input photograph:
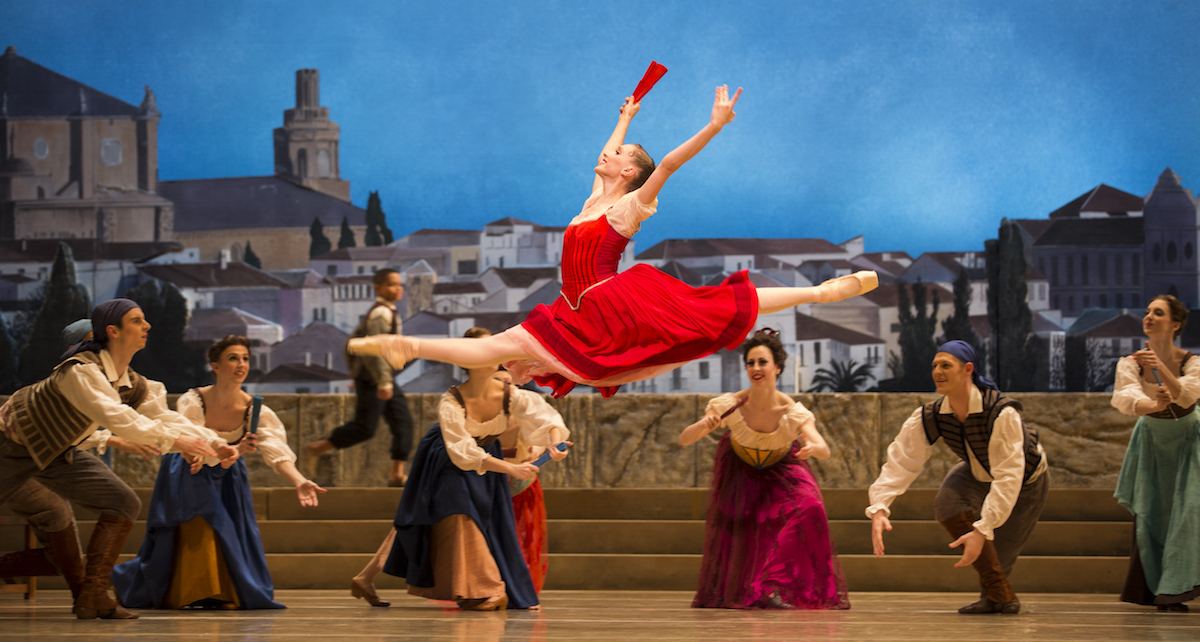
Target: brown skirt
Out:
[463,567]
[200,572]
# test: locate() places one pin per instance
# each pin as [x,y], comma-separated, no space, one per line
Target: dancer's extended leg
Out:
[463,352]
[363,585]
[776,299]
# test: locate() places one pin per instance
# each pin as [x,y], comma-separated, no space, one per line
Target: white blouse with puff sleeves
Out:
[535,419]
[272,436]
[782,437]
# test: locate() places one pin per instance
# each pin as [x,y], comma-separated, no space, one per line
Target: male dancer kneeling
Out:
[992,499]
[44,422]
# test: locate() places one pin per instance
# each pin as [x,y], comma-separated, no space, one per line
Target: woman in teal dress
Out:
[1160,477]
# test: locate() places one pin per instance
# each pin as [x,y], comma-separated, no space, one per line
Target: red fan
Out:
[655,72]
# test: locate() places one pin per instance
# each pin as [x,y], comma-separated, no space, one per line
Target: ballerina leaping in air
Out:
[609,328]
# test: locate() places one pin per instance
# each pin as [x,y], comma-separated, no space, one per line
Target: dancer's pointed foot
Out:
[396,349]
[845,287]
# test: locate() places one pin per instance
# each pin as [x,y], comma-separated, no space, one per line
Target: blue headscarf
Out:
[108,313]
[963,351]
[75,332]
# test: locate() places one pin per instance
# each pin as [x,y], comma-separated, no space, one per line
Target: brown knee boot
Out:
[103,549]
[998,595]
[68,557]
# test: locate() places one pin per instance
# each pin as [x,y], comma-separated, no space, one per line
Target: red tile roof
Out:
[236,274]
[1121,326]
[1102,198]
[460,287]
[298,372]
[691,248]
[813,329]
[524,277]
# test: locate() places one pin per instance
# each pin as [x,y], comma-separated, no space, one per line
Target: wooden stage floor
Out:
[621,616]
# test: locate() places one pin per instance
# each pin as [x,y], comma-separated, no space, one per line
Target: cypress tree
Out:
[320,243]
[251,258]
[347,237]
[8,359]
[166,357]
[378,232]
[65,301]
[958,326]
[917,328]
[1016,349]
[375,221]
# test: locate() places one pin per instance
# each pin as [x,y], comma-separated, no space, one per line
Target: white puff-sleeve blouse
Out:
[272,436]
[536,422]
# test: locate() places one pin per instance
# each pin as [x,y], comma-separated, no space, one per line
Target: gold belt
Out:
[758,457]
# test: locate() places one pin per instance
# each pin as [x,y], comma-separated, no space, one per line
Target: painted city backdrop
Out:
[1018,175]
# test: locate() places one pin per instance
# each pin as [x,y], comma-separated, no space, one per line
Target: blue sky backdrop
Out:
[918,124]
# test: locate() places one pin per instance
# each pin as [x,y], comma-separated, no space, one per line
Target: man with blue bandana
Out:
[44,424]
[991,500]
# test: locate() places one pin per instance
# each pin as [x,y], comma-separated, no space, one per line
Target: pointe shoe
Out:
[987,606]
[844,287]
[367,592]
[397,350]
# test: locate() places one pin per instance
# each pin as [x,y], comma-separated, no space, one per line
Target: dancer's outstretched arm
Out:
[722,114]
[628,111]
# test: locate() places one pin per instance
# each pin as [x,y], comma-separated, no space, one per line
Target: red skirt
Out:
[529,510]
[634,326]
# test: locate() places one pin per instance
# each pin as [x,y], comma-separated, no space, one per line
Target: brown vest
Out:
[47,423]
[354,363]
[976,432]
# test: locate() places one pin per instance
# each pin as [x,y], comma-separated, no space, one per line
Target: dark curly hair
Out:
[1179,311]
[217,349]
[769,338]
[381,276]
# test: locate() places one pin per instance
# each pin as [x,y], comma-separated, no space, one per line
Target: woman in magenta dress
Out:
[766,539]
[609,329]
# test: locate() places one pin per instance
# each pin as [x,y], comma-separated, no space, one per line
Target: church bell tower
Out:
[306,147]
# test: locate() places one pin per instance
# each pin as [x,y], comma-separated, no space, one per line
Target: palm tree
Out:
[842,376]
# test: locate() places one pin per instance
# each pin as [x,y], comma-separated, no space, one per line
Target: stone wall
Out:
[631,440]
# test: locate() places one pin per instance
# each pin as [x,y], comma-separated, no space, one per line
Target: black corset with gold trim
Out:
[759,457]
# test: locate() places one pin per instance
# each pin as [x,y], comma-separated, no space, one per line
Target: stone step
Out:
[919,573]
[655,537]
[1049,574]
[652,539]
[925,537]
[1066,504]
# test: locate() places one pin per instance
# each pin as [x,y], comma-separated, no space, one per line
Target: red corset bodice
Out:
[591,252]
